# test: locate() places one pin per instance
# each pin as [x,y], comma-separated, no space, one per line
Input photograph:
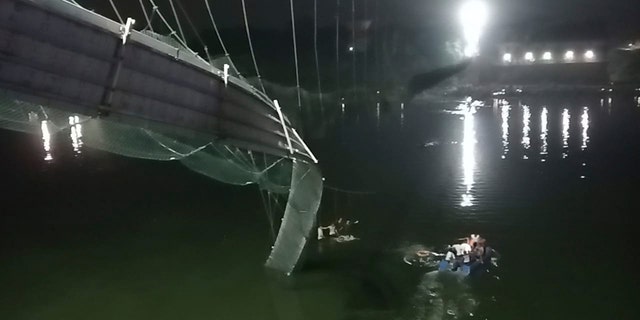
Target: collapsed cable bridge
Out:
[147,95]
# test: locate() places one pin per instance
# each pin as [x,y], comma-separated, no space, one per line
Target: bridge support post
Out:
[105,106]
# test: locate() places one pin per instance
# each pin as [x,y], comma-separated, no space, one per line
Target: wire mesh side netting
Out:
[227,164]
[25,117]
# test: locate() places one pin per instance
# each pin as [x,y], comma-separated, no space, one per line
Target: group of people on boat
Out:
[339,229]
[473,252]
[470,255]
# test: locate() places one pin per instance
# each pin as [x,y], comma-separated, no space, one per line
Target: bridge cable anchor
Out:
[306,148]
[226,74]
[125,29]
[114,74]
[284,126]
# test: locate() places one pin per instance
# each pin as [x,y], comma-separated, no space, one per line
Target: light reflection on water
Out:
[378,114]
[46,140]
[526,120]
[544,132]
[585,128]
[566,122]
[505,129]
[468,155]
[76,134]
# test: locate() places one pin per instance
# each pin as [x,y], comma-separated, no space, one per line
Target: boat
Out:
[470,268]
[422,259]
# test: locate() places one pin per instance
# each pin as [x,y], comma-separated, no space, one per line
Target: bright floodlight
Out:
[351,49]
[546,56]
[507,57]
[569,55]
[473,16]
[529,56]
[589,55]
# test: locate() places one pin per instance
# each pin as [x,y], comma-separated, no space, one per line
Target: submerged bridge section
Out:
[57,54]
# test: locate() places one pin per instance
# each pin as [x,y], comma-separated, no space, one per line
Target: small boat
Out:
[422,259]
[446,266]
[344,238]
[469,268]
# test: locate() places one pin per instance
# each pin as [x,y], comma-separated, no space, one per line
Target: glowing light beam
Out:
[473,16]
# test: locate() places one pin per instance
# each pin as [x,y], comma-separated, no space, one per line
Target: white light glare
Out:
[547,56]
[589,55]
[566,122]
[544,130]
[473,16]
[468,156]
[585,128]
[507,57]
[76,133]
[529,56]
[46,140]
[569,55]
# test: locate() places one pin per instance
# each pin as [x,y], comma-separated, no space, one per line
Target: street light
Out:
[589,55]
[473,16]
[569,55]
[529,57]
[547,56]
[507,58]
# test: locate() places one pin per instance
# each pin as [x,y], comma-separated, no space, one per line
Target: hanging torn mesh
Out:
[299,217]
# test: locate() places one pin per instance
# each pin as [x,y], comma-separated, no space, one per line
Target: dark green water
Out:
[97,236]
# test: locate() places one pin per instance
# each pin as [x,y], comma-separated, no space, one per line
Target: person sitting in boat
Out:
[450,255]
[338,231]
[462,254]
[473,238]
[332,231]
[461,249]
[483,257]
[477,252]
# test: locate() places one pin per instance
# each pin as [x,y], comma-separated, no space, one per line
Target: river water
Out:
[550,181]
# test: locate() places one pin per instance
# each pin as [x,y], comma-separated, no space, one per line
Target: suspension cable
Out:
[215,28]
[295,52]
[154,10]
[353,36]
[166,23]
[146,16]
[376,47]
[315,47]
[267,207]
[366,45]
[193,27]
[175,14]
[253,56]
[337,45]
[113,5]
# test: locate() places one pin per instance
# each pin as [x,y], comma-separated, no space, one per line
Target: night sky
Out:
[622,14]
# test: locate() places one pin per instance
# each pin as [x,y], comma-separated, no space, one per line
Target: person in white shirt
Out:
[461,249]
